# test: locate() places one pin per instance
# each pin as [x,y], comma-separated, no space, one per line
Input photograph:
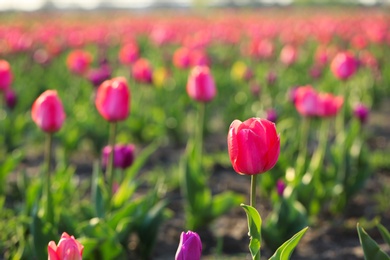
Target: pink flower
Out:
[200,84]
[78,61]
[361,112]
[123,155]
[288,55]
[129,53]
[68,248]
[99,75]
[344,65]
[329,105]
[142,71]
[5,75]
[306,101]
[190,247]
[253,146]
[113,99]
[10,98]
[181,58]
[47,111]
[272,115]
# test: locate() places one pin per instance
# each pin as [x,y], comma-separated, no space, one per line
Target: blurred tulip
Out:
[288,55]
[271,78]
[315,72]
[272,115]
[41,56]
[329,105]
[47,111]
[68,248]
[200,84]
[190,247]
[280,186]
[306,101]
[255,88]
[10,98]
[129,53]
[361,112]
[181,58]
[142,71]
[99,75]
[199,58]
[344,65]
[253,145]
[5,75]
[78,61]
[113,99]
[123,156]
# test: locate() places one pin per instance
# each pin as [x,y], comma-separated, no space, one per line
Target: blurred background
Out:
[32,5]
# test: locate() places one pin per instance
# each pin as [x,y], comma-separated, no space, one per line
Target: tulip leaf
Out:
[385,233]
[284,251]
[97,192]
[371,249]
[254,226]
[223,202]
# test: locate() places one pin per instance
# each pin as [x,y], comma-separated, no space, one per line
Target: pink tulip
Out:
[78,61]
[272,115]
[123,155]
[68,248]
[344,65]
[129,53]
[10,98]
[253,145]
[361,112]
[306,101]
[200,84]
[181,58]
[5,75]
[47,111]
[99,75]
[113,99]
[280,186]
[142,71]
[329,105]
[190,247]
[288,55]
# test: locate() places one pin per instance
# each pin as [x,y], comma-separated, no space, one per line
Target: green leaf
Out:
[254,226]
[370,248]
[223,202]
[98,191]
[284,251]
[90,244]
[385,233]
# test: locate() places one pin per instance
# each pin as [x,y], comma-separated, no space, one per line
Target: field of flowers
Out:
[121,130]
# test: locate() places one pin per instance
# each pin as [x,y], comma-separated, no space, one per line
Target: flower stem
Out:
[110,166]
[301,160]
[253,191]
[199,134]
[49,199]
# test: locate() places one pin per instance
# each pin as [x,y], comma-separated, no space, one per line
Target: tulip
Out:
[190,247]
[272,115]
[361,112]
[142,71]
[280,186]
[306,101]
[78,61]
[10,98]
[271,78]
[329,105]
[288,55]
[200,84]
[253,145]
[113,99]
[99,75]
[344,65]
[123,156]
[5,75]
[181,58]
[68,248]
[129,53]
[47,112]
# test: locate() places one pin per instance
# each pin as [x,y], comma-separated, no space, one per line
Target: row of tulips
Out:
[196,56]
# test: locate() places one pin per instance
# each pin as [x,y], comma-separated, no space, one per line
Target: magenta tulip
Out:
[10,98]
[68,248]
[78,61]
[329,105]
[306,101]
[253,145]
[123,155]
[344,65]
[47,111]
[190,247]
[113,99]
[361,112]
[142,71]
[200,84]
[5,75]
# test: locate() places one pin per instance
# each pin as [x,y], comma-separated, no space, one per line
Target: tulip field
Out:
[195,134]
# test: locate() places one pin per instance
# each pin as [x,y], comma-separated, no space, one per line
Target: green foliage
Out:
[371,249]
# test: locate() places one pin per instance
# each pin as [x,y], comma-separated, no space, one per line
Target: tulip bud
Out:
[129,53]
[361,112]
[5,75]
[329,105]
[344,65]
[280,186]
[142,71]
[288,55]
[10,98]
[306,101]
[181,58]
[113,99]
[272,115]
[123,156]
[99,75]
[68,248]
[200,84]
[47,111]
[271,78]
[78,61]
[190,247]
[253,145]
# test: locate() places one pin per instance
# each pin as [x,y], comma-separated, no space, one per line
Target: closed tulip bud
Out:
[344,65]
[47,111]
[190,247]
[142,71]
[129,53]
[99,75]
[123,156]
[280,186]
[78,61]
[361,112]
[5,75]
[200,84]
[288,55]
[306,101]
[10,98]
[329,105]
[68,248]
[271,78]
[253,145]
[113,99]
[272,115]
[181,58]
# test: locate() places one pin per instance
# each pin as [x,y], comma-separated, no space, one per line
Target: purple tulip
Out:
[190,247]
[361,112]
[10,98]
[123,156]
[272,115]
[280,186]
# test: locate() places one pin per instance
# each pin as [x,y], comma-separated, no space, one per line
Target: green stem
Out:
[253,190]
[49,202]
[110,166]
[319,154]
[199,134]
[301,160]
